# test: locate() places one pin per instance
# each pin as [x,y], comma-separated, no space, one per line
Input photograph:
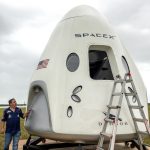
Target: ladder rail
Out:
[135,124]
[101,140]
[115,119]
[138,105]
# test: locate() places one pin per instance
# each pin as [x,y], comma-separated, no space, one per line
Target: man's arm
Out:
[23,115]
[2,129]
[3,122]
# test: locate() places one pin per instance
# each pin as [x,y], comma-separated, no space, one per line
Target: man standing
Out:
[11,116]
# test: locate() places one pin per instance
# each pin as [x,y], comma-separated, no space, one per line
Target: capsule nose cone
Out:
[81,11]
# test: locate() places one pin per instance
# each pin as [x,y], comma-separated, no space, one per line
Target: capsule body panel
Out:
[73,82]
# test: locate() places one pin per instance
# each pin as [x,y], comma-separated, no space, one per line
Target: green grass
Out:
[147,140]
[24,134]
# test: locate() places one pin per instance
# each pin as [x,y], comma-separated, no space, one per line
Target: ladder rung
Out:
[109,120]
[130,94]
[129,80]
[117,94]
[106,135]
[135,107]
[119,81]
[112,119]
[99,148]
[139,119]
[143,132]
[113,107]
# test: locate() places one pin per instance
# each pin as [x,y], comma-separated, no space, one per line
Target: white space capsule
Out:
[72,84]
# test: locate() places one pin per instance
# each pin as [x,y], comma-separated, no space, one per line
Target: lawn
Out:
[147,140]
[24,134]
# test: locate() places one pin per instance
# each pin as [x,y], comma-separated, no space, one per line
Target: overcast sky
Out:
[26,25]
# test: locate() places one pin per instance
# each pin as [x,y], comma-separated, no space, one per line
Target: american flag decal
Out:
[43,64]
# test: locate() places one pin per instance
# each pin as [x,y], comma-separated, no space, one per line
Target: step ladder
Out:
[137,106]
[114,120]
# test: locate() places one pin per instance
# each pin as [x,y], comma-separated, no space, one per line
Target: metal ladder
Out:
[114,120]
[137,106]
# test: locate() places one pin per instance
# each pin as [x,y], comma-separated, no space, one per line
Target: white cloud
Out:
[26,26]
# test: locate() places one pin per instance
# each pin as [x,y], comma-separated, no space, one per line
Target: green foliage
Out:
[1,136]
[147,140]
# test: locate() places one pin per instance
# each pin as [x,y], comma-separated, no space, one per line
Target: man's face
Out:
[13,103]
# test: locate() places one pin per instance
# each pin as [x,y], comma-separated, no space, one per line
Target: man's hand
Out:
[2,131]
[2,127]
[26,114]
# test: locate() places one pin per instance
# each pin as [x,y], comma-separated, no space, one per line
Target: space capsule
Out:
[73,81]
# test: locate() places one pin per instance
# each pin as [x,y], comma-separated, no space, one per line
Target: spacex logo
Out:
[98,35]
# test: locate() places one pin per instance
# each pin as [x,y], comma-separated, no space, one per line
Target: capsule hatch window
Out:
[72,62]
[99,66]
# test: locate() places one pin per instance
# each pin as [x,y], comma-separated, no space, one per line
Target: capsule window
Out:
[99,65]
[72,62]
[69,111]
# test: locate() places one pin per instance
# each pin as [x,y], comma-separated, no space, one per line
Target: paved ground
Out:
[118,146]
